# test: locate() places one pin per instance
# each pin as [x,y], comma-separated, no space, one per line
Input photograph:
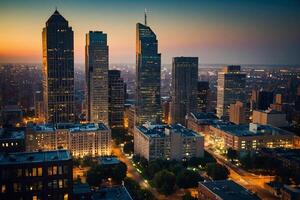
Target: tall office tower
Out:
[265,99]
[148,65]
[238,113]
[96,67]
[184,88]
[231,86]
[58,70]
[116,99]
[202,95]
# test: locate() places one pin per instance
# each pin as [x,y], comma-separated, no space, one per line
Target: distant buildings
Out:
[38,175]
[238,113]
[129,118]
[79,139]
[223,190]
[200,122]
[168,142]
[96,69]
[271,117]
[11,115]
[202,96]
[166,105]
[58,70]
[12,140]
[184,88]
[264,99]
[231,86]
[39,106]
[116,99]
[249,137]
[148,67]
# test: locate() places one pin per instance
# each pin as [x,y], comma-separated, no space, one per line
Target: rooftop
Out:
[252,130]
[112,193]
[228,190]
[88,127]
[12,133]
[163,130]
[108,160]
[34,157]
[72,127]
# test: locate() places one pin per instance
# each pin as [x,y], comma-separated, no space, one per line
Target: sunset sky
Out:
[217,31]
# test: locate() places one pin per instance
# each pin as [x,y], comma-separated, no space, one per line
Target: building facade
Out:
[80,139]
[238,113]
[38,175]
[231,86]
[271,117]
[116,99]
[202,96]
[184,88]
[148,67]
[58,70]
[167,142]
[96,69]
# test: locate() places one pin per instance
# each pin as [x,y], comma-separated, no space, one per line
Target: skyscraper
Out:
[184,88]
[96,67]
[148,65]
[58,70]
[265,99]
[202,95]
[116,99]
[231,85]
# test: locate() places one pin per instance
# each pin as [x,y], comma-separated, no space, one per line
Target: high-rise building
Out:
[238,113]
[231,86]
[58,70]
[39,106]
[96,67]
[148,65]
[202,95]
[166,104]
[184,88]
[265,99]
[116,99]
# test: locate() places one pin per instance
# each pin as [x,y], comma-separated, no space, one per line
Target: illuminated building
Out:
[79,139]
[129,118]
[231,86]
[38,175]
[58,70]
[184,88]
[167,142]
[271,117]
[148,67]
[116,99]
[249,137]
[238,113]
[202,95]
[96,69]
[12,140]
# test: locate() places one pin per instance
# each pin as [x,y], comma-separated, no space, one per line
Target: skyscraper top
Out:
[145,17]
[56,19]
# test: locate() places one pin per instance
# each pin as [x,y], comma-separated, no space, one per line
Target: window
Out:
[3,188]
[19,172]
[60,183]
[49,170]
[40,171]
[33,171]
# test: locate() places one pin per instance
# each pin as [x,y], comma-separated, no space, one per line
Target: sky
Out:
[217,31]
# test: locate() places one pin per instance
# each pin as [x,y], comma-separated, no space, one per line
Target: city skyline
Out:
[231,32]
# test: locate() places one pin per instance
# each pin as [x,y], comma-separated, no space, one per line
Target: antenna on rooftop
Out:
[145,17]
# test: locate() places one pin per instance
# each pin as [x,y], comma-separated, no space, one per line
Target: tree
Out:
[95,175]
[152,169]
[188,179]
[231,154]
[88,161]
[217,171]
[135,190]
[165,181]
[188,196]
[118,172]
[128,147]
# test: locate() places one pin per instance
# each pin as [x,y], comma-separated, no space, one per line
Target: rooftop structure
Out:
[108,160]
[112,193]
[12,139]
[223,190]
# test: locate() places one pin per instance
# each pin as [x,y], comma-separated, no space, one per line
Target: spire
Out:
[145,17]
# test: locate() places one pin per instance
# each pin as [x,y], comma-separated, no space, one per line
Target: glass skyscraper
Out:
[96,64]
[148,65]
[58,70]
[184,88]
[231,86]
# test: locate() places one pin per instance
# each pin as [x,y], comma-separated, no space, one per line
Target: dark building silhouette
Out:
[202,95]
[148,66]
[116,99]
[58,70]
[38,175]
[96,58]
[264,100]
[184,88]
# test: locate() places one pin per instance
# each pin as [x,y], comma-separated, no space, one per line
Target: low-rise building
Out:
[223,190]
[200,122]
[238,113]
[249,137]
[168,142]
[271,117]
[38,175]
[81,139]
[12,140]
